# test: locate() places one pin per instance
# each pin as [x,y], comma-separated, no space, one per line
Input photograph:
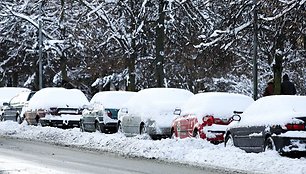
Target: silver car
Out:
[151,111]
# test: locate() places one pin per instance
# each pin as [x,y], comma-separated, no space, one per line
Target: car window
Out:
[113,113]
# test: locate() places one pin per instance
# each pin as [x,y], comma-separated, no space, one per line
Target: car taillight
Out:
[208,120]
[295,126]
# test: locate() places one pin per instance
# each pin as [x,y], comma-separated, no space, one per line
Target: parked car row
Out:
[270,123]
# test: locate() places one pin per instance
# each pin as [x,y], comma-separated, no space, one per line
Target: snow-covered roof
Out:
[57,97]
[153,102]
[278,109]
[7,93]
[112,99]
[219,104]
[21,97]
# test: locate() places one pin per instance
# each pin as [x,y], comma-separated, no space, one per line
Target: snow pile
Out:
[57,97]
[112,99]
[189,150]
[7,93]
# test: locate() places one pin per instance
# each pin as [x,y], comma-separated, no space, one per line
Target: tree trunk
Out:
[131,84]
[277,67]
[160,35]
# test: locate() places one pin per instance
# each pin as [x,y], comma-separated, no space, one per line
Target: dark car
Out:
[271,123]
[12,109]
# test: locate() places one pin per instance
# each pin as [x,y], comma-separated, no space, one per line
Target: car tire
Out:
[269,144]
[1,118]
[196,134]
[142,129]
[173,134]
[99,127]
[229,141]
[19,119]
[119,128]
[82,128]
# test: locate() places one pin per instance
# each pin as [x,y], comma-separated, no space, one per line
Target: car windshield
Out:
[113,113]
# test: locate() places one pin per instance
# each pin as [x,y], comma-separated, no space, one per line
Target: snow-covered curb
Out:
[188,151]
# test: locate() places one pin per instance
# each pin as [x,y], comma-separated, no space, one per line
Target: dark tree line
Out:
[200,45]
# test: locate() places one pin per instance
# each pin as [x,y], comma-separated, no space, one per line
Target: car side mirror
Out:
[177,111]
[236,117]
[5,103]
[124,110]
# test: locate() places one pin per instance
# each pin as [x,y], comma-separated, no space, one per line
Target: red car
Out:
[206,115]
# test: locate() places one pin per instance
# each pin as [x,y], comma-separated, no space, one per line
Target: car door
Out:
[192,121]
[249,138]
[182,126]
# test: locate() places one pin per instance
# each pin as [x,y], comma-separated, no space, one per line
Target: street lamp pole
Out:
[255,42]
[40,49]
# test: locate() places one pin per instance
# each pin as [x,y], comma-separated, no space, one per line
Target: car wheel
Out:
[173,134]
[99,127]
[19,119]
[229,142]
[142,129]
[269,144]
[1,118]
[82,129]
[119,128]
[196,133]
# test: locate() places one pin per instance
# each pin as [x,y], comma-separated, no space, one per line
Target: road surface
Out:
[22,157]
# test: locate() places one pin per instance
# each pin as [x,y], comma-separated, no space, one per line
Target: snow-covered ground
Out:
[189,150]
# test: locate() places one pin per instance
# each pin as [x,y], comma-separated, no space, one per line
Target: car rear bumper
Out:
[289,145]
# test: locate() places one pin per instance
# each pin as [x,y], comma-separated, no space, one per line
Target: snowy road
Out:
[21,156]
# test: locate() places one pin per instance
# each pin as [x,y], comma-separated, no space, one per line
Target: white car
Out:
[103,112]
[12,110]
[151,111]
[6,94]
[58,107]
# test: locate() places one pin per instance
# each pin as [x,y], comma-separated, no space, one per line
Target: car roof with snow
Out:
[277,109]
[112,99]
[57,97]
[154,101]
[7,93]
[219,104]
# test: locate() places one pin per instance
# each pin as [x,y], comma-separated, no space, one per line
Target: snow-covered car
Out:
[6,94]
[12,110]
[102,115]
[206,115]
[58,107]
[151,111]
[272,122]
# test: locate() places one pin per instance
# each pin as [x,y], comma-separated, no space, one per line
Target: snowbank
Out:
[189,150]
